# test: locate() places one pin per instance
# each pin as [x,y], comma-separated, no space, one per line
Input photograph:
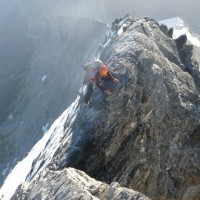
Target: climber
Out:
[97,74]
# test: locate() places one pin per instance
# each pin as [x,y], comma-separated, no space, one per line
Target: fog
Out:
[41,52]
[22,20]
[107,10]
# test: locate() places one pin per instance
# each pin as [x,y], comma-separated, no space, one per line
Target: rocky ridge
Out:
[73,184]
[146,135]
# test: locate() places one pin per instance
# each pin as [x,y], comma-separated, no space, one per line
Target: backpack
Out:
[92,68]
[92,65]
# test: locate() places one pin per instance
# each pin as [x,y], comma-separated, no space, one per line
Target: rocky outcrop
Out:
[146,134]
[190,63]
[71,184]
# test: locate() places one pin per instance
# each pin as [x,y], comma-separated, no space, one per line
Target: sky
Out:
[108,10]
[158,9]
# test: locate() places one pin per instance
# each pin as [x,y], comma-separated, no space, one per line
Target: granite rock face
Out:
[146,135]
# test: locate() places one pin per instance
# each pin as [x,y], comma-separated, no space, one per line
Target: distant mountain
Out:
[41,75]
[180,27]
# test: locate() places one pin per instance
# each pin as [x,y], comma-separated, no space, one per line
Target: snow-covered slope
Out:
[180,27]
[44,148]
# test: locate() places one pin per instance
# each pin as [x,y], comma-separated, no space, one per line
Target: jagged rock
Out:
[163,28]
[190,63]
[146,134]
[192,193]
[143,136]
[170,32]
[180,41]
[73,184]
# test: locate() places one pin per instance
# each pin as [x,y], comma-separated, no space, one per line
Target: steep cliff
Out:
[146,135]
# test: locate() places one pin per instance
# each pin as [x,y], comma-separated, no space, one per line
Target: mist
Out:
[23,23]
[42,49]
[108,10]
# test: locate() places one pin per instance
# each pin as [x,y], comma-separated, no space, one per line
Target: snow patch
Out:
[44,149]
[44,78]
[14,160]
[6,169]
[173,22]
[10,117]
[45,127]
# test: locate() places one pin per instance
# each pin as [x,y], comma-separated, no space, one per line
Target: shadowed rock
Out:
[180,41]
